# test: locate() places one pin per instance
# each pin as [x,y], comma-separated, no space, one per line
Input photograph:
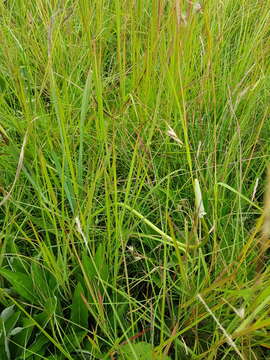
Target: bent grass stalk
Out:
[170,240]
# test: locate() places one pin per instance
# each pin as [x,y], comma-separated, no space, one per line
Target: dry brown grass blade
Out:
[227,336]
[168,346]
[18,171]
[178,11]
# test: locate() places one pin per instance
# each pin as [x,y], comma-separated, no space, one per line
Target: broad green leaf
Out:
[88,266]
[16,331]
[3,353]
[43,317]
[17,265]
[73,341]
[143,351]
[8,321]
[4,346]
[11,322]
[48,312]
[101,263]
[7,312]
[41,284]
[79,312]
[21,283]
[37,347]
[22,338]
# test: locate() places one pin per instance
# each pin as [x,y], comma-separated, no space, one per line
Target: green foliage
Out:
[79,312]
[143,351]
[8,321]
[20,282]
[105,250]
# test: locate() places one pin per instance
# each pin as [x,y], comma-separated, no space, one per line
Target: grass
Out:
[118,121]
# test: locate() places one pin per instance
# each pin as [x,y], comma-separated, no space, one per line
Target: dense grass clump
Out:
[134,143]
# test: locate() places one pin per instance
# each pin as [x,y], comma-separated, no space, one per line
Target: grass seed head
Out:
[198,199]
[172,134]
[197,7]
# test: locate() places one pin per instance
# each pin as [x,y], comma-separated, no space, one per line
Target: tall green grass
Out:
[102,252]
